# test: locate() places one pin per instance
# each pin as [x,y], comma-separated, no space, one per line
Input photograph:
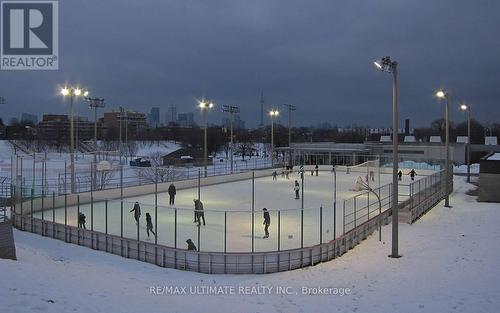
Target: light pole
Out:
[290,108]
[389,66]
[204,107]
[72,93]
[273,114]
[231,109]
[466,108]
[443,94]
[95,103]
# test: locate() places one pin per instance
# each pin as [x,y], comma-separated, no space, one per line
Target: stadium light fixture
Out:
[204,107]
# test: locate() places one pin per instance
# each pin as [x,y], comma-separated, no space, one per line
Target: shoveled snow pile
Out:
[449,264]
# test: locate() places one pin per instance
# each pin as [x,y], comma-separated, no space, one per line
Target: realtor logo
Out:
[29,35]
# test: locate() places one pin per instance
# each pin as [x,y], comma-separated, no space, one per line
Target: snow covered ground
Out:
[449,264]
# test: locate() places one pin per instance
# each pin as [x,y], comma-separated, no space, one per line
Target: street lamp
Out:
[204,107]
[273,114]
[290,108]
[444,95]
[72,93]
[231,110]
[387,65]
[467,110]
[95,103]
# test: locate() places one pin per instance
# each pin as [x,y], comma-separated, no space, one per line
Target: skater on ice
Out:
[296,188]
[149,225]
[275,175]
[137,212]
[198,212]
[267,222]
[400,175]
[317,169]
[81,220]
[171,192]
[191,245]
[412,174]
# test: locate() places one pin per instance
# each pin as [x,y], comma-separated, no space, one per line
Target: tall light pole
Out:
[273,114]
[290,108]
[443,94]
[95,103]
[72,93]
[467,110]
[204,107]
[231,109]
[389,66]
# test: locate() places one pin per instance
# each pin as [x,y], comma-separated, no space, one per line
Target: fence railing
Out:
[120,176]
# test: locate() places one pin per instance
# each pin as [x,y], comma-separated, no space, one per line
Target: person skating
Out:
[287,173]
[372,175]
[198,212]
[275,175]
[191,245]
[137,212]
[296,188]
[317,169]
[149,225]
[400,175]
[267,222]
[171,192]
[81,220]
[412,174]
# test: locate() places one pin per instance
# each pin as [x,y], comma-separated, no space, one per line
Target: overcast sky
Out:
[315,54]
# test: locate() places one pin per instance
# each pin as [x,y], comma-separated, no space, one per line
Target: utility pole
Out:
[290,108]
[231,110]
[95,103]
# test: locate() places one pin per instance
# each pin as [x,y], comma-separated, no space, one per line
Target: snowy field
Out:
[235,198]
[449,264]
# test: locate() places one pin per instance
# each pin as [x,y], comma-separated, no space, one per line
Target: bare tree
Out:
[158,173]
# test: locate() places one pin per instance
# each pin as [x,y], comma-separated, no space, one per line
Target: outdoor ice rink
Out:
[228,212]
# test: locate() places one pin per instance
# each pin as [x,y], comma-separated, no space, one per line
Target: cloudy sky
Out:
[314,54]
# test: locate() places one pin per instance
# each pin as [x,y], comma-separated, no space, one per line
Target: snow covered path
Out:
[450,264]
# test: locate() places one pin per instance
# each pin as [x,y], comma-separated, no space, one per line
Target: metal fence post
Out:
[31,206]
[156,213]
[53,214]
[343,218]
[175,228]
[253,211]
[225,232]
[65,217]
[354,212]
[320,224]
[106,216]
[334,222]
[279,231]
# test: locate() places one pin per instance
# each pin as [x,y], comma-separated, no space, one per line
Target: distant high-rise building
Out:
[171,115]
[154,117]
[27,117]
[186,119]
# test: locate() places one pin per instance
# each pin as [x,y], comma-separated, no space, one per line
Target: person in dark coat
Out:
[400,175]
[191,245]
[81,220]
[296,188]
[149,225]
[171,192]
[198,212]
[317,169]
[275,175]
[137,212]
[412,174]
[267,222]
